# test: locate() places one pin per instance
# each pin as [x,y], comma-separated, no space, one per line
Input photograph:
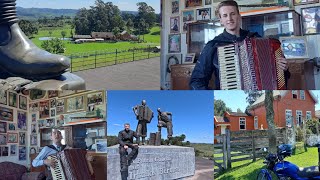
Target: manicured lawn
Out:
[249,170]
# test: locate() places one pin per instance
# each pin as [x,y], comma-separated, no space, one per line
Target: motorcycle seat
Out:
[309,172]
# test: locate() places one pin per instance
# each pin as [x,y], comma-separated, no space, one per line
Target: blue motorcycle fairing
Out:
[288,169]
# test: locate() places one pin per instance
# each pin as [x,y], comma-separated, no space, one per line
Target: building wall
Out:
[235,122]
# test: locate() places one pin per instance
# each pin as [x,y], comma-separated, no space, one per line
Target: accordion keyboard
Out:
[229,68]
[57,171]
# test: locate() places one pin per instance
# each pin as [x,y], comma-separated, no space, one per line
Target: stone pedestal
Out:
[154,162]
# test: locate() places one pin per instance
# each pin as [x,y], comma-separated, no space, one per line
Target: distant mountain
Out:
[35,13]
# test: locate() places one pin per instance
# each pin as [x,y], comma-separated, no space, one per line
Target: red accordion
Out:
[251,65]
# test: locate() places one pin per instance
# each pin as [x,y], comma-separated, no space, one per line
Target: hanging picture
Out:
[52,94]
[53,112]
[3,139]
[13,99]
[12,126]
[102,145]
[34,107]
[52,103]
[3,97]
[12,137]
[22,120]
[13,150]
[4,151]
[33,140]
[174,43]
[37,94]
[192,3]
[95,98]
[189,58]
[41,123]
[171,60]
[60,110]
[60,120]
[44,111]
[22,138]
[3,127]
[188,16]
[33,128]
[294,47]
[174,24]
[75,104]
[60,102]
[175,6]
[33,150]
[6,114]
[23,102]
[22,153]
[310,20]
[300,2]
[33,118]
[203,14]
[207,2]
[50,122]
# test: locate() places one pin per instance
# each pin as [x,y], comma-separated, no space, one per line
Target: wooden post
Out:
[71,63]
[133,55]
[149,49]
[304,133]
[224,146]
[116,56]
[253,147]
[95,59]
[228,148]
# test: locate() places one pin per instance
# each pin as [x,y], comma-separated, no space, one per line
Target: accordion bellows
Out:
[71,165]
[251,65]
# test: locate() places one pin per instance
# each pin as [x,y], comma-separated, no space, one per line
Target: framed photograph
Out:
[44,111]
[171,60]
[33,140]
[3,97]
[34,107]
[310,20]
[6,114]
[3,139]
[13,99]
[207,2]
[4,151]
[41,123]
[184,27]
[188,16]
[192,3]
[174,43]
[37,94]
[175,6]
[60,120]
[52,112]
[300,2]
[189,58]
[33,128]
[52,94]
[294,47]
[12,126]
[13,149]
[22,153]
[60,110]
[12,138]
[3,127]
[50,123]
[95,98]
[60,102]
[174,24]
[203,14]
[75,103]
[101,145]
[22,138]
[23,102]
[22,120]
[33,150]
[33,118]
[52,103]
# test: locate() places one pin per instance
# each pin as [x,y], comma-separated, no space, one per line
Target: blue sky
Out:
[124,5]
[237,99]
[192,112]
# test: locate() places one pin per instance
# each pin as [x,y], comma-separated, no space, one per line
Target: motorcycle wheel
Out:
[264,175]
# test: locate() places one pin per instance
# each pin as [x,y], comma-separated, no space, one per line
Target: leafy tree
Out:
[146,13]
[129,25]
[55,46]
[313,125]
[50,33]
[112,140]
[253,95]
[116,31]
[220,108]
[28,27]
[270,121]
[63,34]
[239,110]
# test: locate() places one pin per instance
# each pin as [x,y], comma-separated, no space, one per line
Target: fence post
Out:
[133,54]
[228,148]
[149,49]
[253,147]
[71,63]
[95,59]
[224,149]
[116,56]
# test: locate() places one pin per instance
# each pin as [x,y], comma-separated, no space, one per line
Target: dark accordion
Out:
[251,65]
[71,164]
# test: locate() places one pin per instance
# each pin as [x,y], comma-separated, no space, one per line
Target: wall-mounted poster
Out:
[33,107]
[3,139]
[175,6]
[12,126]
[13,99]
[3,97]
[22,120]
[203,14]
[192,3]
[22,138]
[53,112]
[50,122]
[174,24]
[52,94]
[188,16]
[23,102]
[294,47]
[44,111]
[33,128]
[6,114]
[33,139]
[3,127]
[95,98]
[174,43]
[300,2]
[22,153]
[75,104]
[13,150]
[310,20]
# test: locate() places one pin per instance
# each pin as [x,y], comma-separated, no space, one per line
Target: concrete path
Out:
[204,169]
[137,75]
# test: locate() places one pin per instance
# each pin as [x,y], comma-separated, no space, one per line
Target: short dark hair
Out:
[126,124]
[227,3]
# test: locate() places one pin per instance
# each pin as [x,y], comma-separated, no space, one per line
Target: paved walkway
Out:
[204,169]
[137,75]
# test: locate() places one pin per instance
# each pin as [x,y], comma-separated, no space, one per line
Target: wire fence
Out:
[96,59]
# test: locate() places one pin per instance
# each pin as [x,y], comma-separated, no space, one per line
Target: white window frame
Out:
[288,115]
[299,114]
[308,115]
[256,122]
[302,93]
[294,92]
[243,119]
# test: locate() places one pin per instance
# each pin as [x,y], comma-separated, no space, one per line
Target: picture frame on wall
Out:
[174,43]
[192,3]
[22,138]
[3,127]
[95,98]
[36,94]
[3,139]
[3,97]
[53,93]
[60,120]
[41,123]
[188,16]
[175,6]
[33,140]
[34,107]
[75,103]
[52,112]
[301,2]
[189,58]
[174,24]
[23,102]
[22,153]
[33,150]
[13,99]
[309,17]
[5,151]
[12,126]
[13,149]
[53,103]
[33,128]
[203,14]
[22,121]
[294,47]
[172,59]
[207,2]
[59,110]
[60,102]
[12,138]
[6,114]
[44,111]
[33,118]
[50,122]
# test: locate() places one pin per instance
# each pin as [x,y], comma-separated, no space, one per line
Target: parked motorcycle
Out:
[285,170]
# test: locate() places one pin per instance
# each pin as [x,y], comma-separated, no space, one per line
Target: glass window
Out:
[302,95]
[308,115]
[288,118]
[294,94]
[299,118]
[242,123]
[256,122]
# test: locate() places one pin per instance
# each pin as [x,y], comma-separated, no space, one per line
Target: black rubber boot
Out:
[19,56]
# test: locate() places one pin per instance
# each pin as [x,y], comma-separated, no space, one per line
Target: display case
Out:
[274,25]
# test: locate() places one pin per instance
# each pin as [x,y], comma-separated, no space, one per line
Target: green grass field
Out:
[249,170]
[205,150]
[152,39]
